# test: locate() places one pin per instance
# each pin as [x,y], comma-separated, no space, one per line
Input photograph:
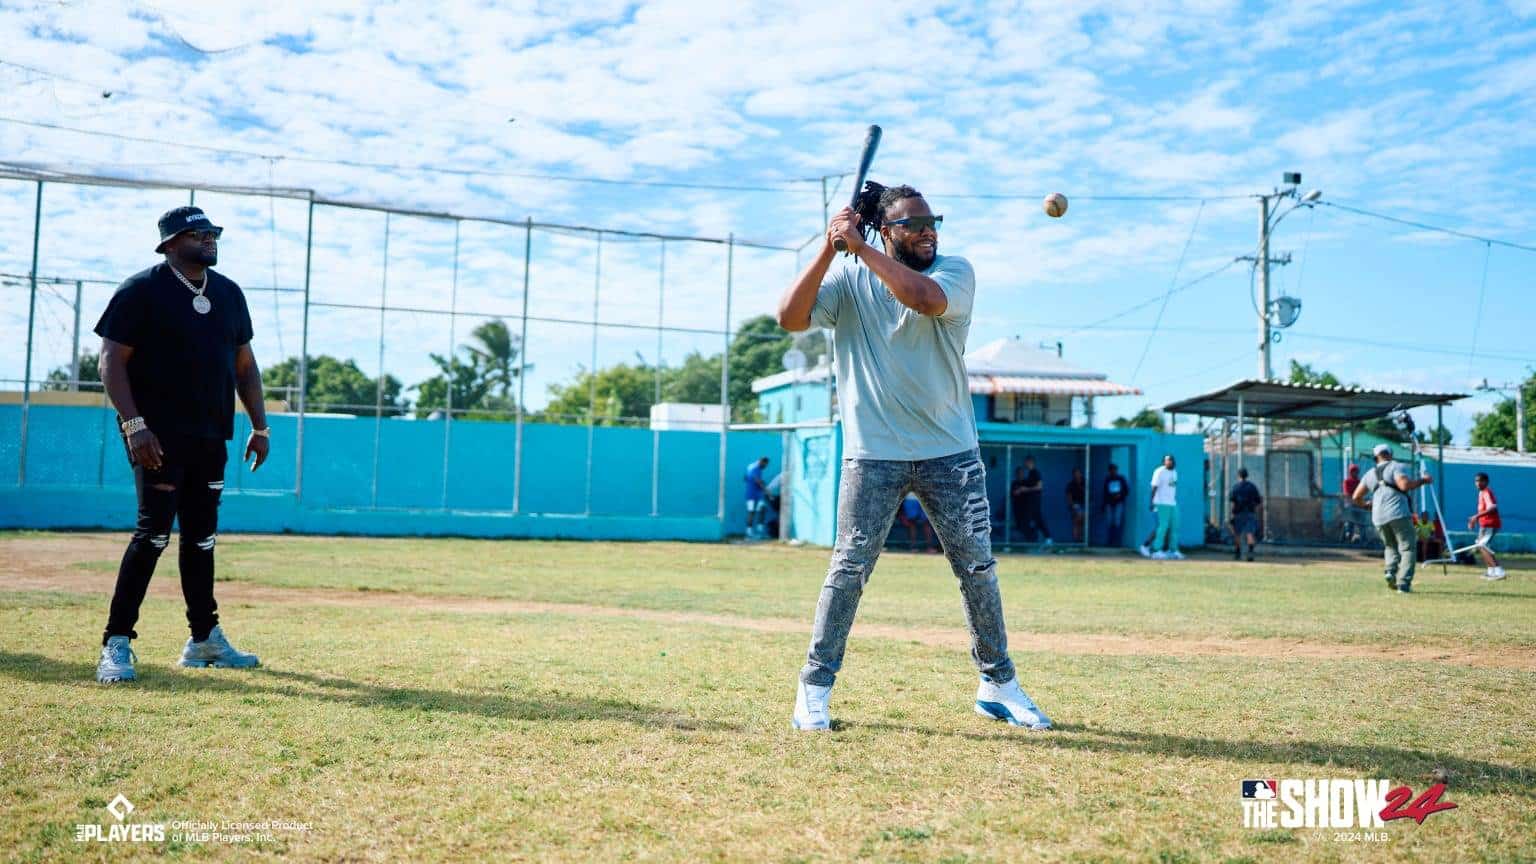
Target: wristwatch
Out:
[262,433]
[133,424]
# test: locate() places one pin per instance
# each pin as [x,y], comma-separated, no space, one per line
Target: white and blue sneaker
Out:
[116,662]
[811,712]
[217,652]
[1009,703]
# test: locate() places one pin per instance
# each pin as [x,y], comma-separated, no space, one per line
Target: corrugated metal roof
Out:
[1282,400]
[1039,385]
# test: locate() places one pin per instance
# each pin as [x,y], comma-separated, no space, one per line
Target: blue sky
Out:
[1426,111]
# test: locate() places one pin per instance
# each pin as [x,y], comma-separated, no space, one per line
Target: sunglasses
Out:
[204,234]
[916,224]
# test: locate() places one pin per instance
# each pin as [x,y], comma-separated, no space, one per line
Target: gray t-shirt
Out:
[901,384]
[1392,503]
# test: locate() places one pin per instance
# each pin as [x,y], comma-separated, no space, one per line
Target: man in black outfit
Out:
[1028,490]
[175,347]
[1246,502]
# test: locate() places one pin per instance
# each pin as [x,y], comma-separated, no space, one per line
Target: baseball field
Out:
[461,700]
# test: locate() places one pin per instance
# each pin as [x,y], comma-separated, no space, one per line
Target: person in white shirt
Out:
[1165,503]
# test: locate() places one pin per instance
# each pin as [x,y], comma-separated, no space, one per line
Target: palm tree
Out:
[496,349]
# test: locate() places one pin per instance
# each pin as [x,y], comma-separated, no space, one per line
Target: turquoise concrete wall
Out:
[817,455]
[78,477]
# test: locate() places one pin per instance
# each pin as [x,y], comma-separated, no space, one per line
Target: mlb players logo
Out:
[1261,790]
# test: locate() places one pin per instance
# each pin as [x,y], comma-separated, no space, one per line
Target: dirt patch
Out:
[52,564]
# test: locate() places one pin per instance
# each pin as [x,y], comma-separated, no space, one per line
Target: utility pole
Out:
[1265,370]
[1286,309]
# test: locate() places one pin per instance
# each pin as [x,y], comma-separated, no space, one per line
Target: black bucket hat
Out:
[184,219]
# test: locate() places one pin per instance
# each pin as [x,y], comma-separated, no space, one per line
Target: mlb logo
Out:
[1262,790]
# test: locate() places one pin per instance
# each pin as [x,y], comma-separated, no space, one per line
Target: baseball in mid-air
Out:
[1055,205]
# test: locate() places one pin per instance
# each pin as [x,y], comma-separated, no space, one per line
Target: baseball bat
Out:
[871,143]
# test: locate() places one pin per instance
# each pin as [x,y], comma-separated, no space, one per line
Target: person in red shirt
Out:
[1488,524]
[1352,480]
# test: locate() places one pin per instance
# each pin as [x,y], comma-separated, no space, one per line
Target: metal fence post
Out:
[661,308]
[725,374]
[597,290]
[453,319]
[26,386]
[298,447]
[74,351]
[522,374]
[378,398]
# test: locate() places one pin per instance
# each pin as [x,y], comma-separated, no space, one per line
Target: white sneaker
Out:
[215,651]
[1494,574]
[116,663]
[811,711]
[1146,551]
[1009,703]
[1160,555]
[1176,555]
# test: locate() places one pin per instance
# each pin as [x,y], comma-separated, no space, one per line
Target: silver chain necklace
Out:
[199,302]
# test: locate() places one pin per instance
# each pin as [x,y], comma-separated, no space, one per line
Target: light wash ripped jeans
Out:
[953,492]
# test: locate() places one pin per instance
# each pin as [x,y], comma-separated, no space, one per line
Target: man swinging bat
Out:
[900,318]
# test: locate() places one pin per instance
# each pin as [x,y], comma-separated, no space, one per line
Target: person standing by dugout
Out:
[175,349]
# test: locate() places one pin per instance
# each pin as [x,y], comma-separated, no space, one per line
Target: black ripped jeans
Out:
[953,492]
[186,488]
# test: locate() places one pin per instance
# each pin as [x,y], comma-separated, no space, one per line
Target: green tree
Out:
[696,381]
[1146,418]
[470,388]
[90,375]
[1303,373]
[495,350]
[1496,428]
[619,392]
[756,351]
[628,391]
[334,386]
[482,385]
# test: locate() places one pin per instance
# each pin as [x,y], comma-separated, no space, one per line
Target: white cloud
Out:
[1415,109]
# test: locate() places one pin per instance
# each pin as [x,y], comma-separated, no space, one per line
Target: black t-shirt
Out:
[1031,496]
[1076,491]
[182,371]
[1245,497]
[1115,489]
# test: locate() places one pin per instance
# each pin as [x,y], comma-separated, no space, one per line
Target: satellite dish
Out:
[1286,311]
[794,360]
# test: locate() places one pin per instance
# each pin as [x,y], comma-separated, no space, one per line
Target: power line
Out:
[1427,227]
[1172,283]
[389,166]
[1149,301]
